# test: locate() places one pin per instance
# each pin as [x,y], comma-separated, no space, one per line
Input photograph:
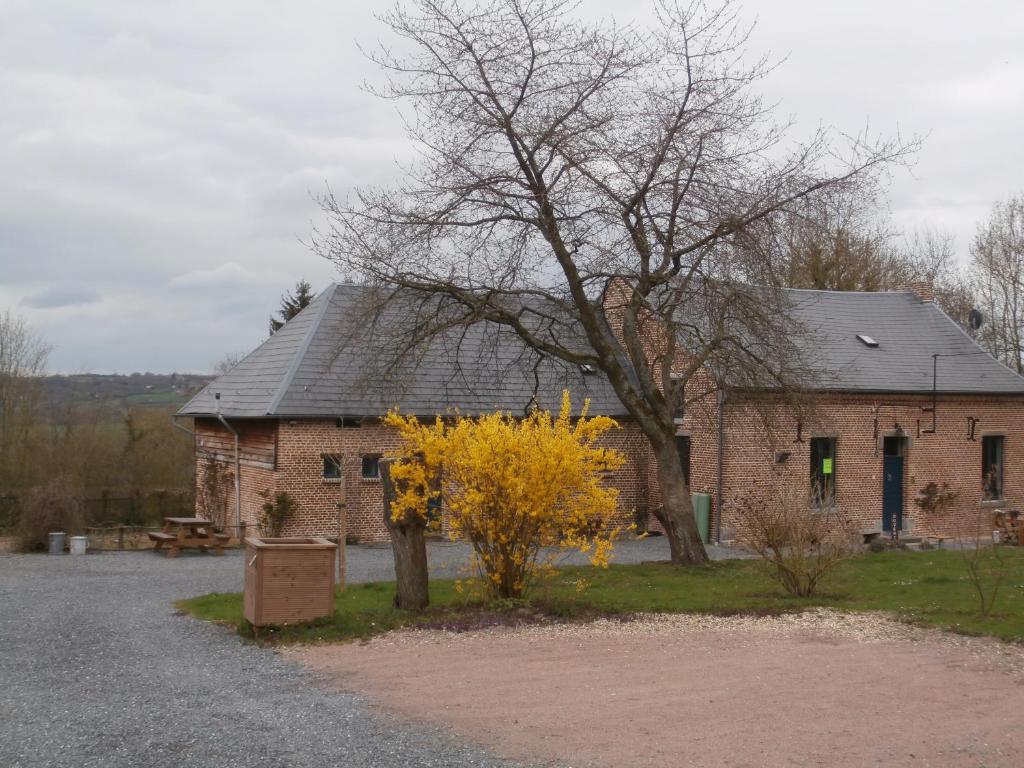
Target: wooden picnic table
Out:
[189,533]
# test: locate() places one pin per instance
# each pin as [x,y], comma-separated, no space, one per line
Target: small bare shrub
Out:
[275,512]
[800,540]
[51,507]
[984,561]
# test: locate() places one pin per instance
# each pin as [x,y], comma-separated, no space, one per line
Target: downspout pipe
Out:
[181,428]
[719,482]
[238,468]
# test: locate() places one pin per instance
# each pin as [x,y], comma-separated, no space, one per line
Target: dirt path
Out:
[816,689]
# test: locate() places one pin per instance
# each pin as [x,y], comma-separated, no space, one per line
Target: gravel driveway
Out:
[820,688]
[97,670]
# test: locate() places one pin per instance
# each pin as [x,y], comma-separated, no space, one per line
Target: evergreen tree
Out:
[292,304]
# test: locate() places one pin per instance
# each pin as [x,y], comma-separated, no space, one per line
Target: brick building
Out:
[899,397]
[306,406]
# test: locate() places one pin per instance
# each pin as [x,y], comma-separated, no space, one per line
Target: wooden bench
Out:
[161,538]
[189,533]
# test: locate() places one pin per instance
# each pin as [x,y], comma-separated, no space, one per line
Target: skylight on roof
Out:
[587,369]
[866,340]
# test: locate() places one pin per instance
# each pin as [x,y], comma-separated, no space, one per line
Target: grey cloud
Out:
[56,298]
[164,154]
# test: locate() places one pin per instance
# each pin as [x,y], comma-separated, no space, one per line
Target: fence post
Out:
[120,537]
[241,532]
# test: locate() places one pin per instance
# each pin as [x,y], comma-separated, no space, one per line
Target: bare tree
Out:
[997,261]
[23,357]
[929,255]
[226,363]
[843,240]
[838,240]
[591,188]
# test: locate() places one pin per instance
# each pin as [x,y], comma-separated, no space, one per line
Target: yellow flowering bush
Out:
[512,487]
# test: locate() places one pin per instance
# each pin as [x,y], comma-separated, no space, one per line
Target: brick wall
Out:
[257,453]
[632,479]
[288,456]
[302,445]
[296,466]
[754,432]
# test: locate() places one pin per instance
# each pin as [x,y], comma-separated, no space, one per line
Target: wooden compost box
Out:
[288,581]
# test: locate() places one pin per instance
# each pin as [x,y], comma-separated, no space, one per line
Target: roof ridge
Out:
[849,293]
[300,352]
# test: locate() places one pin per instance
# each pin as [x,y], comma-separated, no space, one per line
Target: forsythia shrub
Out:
[512,487]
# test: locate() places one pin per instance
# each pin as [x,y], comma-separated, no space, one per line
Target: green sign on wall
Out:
[826,466]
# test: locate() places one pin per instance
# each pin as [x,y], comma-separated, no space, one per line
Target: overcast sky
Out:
[157,159]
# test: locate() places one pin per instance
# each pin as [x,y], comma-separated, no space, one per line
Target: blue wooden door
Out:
[892,492]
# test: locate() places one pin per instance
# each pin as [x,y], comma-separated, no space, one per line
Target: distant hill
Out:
[136,389]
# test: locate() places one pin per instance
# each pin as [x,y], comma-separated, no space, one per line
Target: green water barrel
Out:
[702,514]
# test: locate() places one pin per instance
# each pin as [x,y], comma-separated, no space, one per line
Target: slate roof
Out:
[908,331]
[324,362]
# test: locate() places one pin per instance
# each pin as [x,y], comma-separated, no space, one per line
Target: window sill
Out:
[331,480]
[370,479]
[993,503]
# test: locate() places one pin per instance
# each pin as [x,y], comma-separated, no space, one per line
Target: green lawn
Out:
[927,588]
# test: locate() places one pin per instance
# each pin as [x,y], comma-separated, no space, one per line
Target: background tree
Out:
[837,241]
[587,186]
[997,261]
[929,256]
[843,240]
[231,359]
[292,304]
[23,357]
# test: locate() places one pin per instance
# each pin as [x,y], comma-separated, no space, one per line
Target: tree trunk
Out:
[409,544]
[676,515]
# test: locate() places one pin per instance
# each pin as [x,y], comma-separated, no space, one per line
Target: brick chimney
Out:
[923,289]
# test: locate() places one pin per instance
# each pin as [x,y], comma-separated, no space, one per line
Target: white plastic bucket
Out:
[79,544]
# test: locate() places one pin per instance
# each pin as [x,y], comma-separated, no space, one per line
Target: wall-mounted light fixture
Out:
[897,428]
[972,422]
[781,457]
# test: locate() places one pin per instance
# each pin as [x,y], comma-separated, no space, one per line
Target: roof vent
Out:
[866,340]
